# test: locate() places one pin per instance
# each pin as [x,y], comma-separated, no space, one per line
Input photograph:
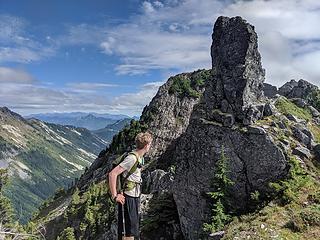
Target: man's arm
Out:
[113,183]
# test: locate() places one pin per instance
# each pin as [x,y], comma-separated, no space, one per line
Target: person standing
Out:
[128,199]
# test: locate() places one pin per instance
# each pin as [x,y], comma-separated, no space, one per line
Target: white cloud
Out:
[89,85]
[147,7]
[177,35]
[16,45]
[136,101]
[288,36]
[22,93]
[11,75]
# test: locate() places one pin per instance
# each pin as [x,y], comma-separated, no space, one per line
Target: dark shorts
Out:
[131,216]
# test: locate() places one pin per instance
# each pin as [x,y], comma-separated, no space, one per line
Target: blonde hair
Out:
[142,139]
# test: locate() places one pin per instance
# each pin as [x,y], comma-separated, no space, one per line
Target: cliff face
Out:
[167,115]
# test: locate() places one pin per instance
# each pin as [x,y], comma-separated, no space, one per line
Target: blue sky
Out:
[112,56]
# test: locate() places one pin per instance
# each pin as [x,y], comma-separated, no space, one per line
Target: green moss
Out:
[185,86]
[287,107]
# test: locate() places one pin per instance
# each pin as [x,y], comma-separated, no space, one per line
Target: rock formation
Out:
[238,72]
[218,121]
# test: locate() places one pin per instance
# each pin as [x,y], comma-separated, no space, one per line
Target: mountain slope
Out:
[41,157]
[110,130]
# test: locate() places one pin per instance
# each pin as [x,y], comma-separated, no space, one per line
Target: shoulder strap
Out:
[134,167]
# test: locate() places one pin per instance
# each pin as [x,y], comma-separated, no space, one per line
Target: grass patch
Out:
[293,214]
[315,129]
[287,107]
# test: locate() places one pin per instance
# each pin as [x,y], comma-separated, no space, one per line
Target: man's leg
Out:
[132,218]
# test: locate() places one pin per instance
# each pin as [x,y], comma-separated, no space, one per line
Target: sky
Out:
[111,56]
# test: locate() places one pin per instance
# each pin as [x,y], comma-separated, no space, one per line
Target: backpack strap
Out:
[133,168]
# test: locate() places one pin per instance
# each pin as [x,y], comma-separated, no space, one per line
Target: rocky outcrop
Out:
[235,95]
[238,72]
[167,116]
[269,90]
[294,89]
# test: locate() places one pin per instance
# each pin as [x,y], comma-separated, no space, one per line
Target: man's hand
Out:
[120,198]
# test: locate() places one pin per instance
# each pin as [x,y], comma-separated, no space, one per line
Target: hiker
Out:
[129,198]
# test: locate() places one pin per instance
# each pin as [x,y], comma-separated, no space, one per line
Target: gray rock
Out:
[299,102]
[314,112]
[302,134]
[237,62]
[287,87]
[256,130]
[228,120]
[300,89]
[292,117]
[269,90]
[268,110]
[216,236]
[254,160]
[302,152]
[281,125]
[157,180]
[316,150]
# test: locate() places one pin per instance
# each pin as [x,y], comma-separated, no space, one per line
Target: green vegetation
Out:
[67,234]
[315,129]
[293,214]
[221,182]
[6,209]
[289,188]
[314,99]
[87,215]
[162,214]
[186,86]
[124,140]
[149,115]
[285,106]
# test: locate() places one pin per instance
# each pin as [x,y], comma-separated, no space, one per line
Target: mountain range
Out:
[42,157]
[91,121]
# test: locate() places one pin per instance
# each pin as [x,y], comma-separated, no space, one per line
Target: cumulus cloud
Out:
[177,35]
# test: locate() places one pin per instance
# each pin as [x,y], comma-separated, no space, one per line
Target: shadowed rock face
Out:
[254,159]
[237,62]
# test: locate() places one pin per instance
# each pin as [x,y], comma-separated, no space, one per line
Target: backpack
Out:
[121,180]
